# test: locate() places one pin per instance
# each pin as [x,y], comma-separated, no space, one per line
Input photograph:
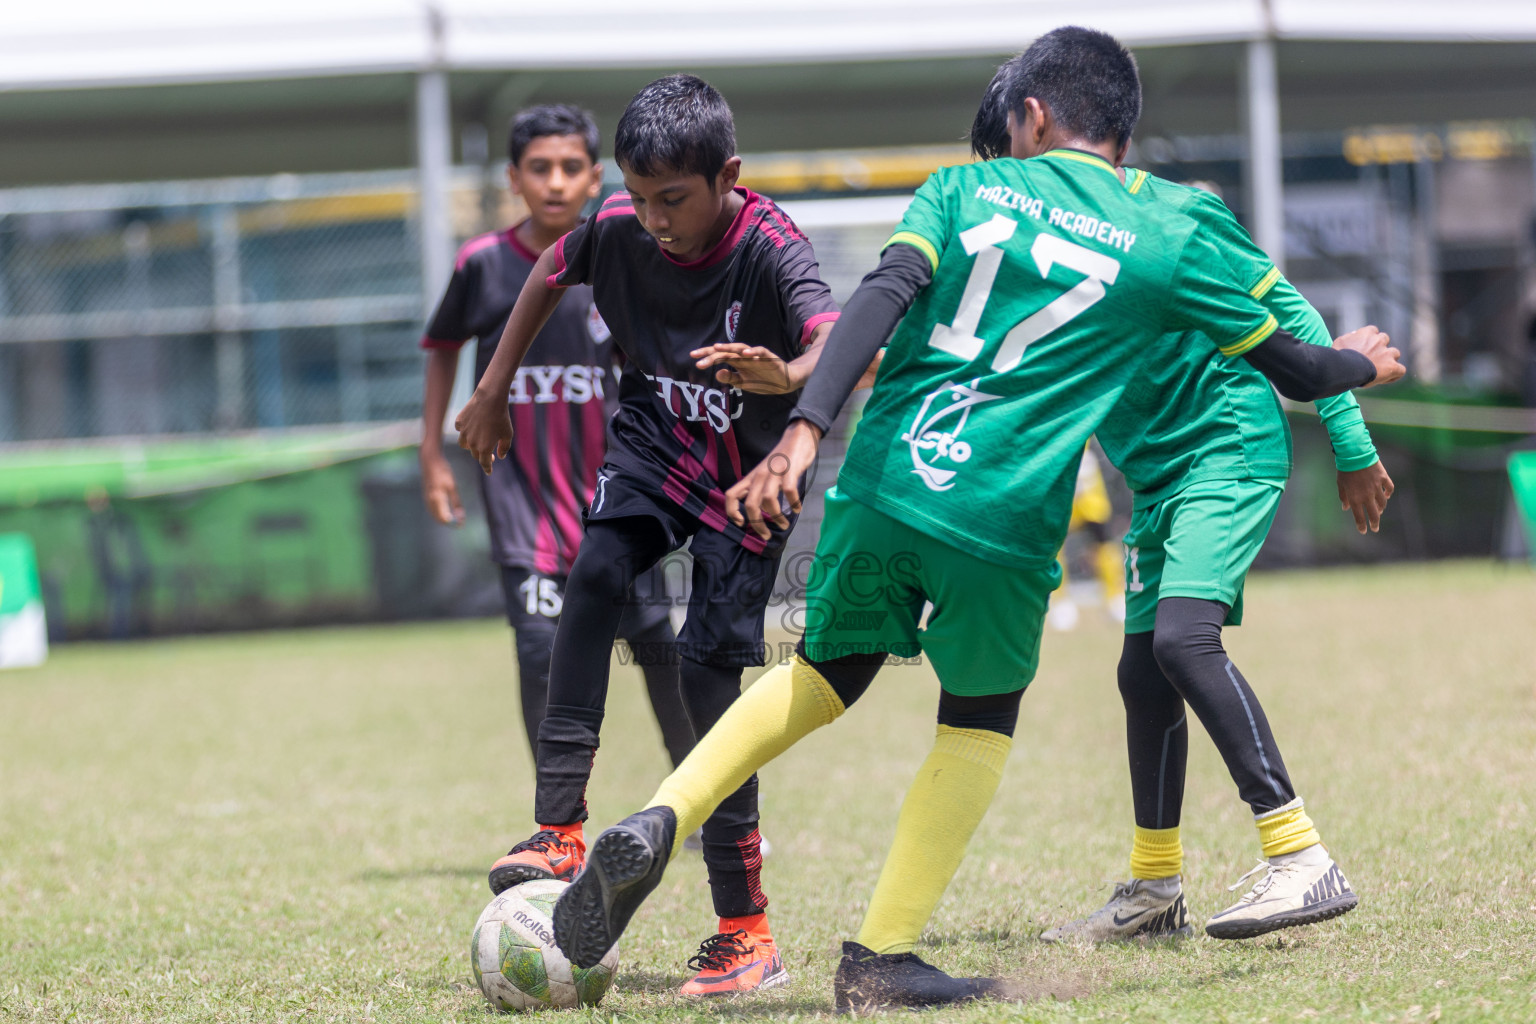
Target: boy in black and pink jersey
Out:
[562,399]
[684,260]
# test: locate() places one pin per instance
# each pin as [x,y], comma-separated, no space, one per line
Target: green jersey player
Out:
[1205,451]
[1032,290]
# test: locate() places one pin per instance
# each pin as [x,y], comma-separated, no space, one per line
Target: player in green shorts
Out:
[1206,452]
[1029,293]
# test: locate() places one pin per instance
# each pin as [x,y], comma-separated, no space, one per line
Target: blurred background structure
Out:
[222,226]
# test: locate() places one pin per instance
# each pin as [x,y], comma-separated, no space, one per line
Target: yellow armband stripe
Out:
[917,242]
[1138,181]
[1252,338]
[1266,282]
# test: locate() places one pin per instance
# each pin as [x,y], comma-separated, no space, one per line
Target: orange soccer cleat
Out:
[741,957]
[556,852]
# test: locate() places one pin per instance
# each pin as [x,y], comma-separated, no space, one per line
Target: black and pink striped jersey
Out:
[679,433]
[561,400]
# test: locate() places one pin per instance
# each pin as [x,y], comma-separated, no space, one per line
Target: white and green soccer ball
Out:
[515,959]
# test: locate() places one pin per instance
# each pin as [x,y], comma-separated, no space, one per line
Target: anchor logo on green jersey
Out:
[935,435]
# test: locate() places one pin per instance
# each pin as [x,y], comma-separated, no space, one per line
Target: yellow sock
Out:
[788,703]
[942,809]
[1156,853]
[1286,830]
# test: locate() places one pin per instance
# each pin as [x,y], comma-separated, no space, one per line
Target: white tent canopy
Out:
[96,43]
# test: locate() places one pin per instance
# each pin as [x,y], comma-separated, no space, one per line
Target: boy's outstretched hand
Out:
[485,429]
[771,491]
[1364,492]
[1376,347]
[748,367]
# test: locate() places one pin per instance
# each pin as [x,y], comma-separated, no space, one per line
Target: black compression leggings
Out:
[655,652]
[1183,660]
[612,554]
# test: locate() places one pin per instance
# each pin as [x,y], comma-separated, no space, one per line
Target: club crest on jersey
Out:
[595,326]
[934,436]
[732,320]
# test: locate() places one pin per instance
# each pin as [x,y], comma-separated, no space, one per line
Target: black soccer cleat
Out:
[624,865]
[868,981]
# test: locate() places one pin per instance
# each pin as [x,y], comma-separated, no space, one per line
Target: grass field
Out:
[296,826]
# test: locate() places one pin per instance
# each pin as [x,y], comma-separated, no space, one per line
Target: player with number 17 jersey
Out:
[1027,291]
[1051,284]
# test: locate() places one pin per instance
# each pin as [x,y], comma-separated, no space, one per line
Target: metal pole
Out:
[434,160]
[1424,336]
[1266,198]
[229,346]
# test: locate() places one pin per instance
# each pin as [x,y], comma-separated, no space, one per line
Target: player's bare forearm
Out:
[438,489]
[484,425]
[771,491]
[1364,494]
[801,366]
[442,365]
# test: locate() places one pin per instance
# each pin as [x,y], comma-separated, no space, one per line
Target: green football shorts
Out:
[872,577]
[1198,543]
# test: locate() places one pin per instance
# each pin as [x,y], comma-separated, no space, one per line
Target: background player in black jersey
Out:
[684,258]
[562,399]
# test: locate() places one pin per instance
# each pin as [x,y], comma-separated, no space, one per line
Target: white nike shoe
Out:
[1297,888]
[1138,909]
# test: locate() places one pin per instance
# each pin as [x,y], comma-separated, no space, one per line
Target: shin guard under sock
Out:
[947,801]
[788,703]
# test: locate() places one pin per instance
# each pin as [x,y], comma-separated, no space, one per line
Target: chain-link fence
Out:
[208,306]
[205,309]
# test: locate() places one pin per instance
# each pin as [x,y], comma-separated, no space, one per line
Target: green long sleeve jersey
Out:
[1190,414]
[1052,285]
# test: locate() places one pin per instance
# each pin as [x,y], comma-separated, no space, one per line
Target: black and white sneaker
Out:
[623,866]
[1138,909]
[1298,888]
[868,981]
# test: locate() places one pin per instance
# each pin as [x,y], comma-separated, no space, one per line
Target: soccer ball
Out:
[515,959]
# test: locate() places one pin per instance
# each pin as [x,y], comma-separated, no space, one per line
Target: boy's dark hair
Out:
[678,123]
[989,131]
[1087,79]
[551,119]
